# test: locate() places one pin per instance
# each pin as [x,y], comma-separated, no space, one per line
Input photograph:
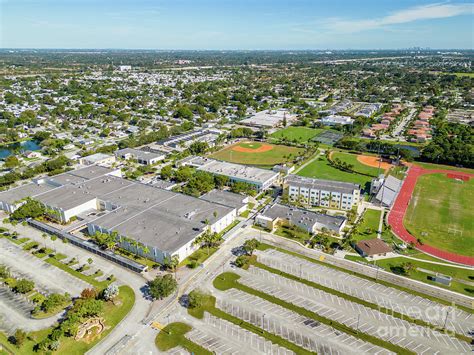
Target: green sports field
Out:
[297,134]
[320,169]
[358,166]
[253,154]
[441,214]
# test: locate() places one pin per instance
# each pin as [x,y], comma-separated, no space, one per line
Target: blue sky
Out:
[236,24]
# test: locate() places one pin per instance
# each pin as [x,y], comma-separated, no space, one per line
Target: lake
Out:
[17,148]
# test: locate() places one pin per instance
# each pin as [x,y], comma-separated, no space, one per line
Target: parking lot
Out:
[16,310]
[402,333]
[302,331]
[47,278]
[383,296]
[223,337]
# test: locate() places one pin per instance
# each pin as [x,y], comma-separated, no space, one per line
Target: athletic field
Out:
[257,153]
[297,134]
[440,213]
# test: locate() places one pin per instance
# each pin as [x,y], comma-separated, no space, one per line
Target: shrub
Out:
[110,292]
[241,261]
[195,299]
[24,286]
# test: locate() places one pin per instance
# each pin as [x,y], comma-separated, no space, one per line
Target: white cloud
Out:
[426,12]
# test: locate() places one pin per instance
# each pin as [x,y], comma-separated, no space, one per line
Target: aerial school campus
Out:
[294,214]
[236,202]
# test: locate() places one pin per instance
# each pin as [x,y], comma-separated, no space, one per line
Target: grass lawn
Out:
[17,241]
[297,235]
[198,257]
[445,167]
[394,265]
[470,75]
[90,279]
[172,336]
[358,166]
[320,169]
[277,155]
[297,134]
[369,226]
[229,280]
[440,213]
[112,315]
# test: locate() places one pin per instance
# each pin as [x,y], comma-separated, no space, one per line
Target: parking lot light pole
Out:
[300,270]
[358,319]
[263,322]
[446,319]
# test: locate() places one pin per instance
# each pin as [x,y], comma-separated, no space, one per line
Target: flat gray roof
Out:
[23,191]
[141,154]
[319,184]
[225,198]
[237,171]
[305,217]
[65,197]
[97,157]
[163,219]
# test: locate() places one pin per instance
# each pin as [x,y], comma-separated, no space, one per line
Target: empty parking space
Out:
[352,314]
[371,291]
[47,278]
[223,337]
[292,326]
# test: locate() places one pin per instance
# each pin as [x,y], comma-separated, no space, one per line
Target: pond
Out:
[17,148]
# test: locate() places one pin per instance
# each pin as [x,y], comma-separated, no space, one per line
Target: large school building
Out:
[165,223]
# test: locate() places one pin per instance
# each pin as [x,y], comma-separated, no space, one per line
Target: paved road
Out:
[403,123]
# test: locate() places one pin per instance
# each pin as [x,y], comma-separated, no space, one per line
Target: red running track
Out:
[395,218]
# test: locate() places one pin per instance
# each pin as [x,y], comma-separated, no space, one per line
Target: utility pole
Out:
[446,319]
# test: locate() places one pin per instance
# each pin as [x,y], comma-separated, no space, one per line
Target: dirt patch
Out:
[262,148]
[373,162]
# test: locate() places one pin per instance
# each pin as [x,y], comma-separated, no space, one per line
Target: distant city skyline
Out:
[238,24]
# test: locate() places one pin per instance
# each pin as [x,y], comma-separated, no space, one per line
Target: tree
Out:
[195,299]
[19,337]
[110,292]
[162,286]
[54,301]
[11,162]
[241,260]
[250,245]
[105,240]
[30,209]
[4,272]
[208,239]
[24,286]
[166,172]
[89,293]
[89,307]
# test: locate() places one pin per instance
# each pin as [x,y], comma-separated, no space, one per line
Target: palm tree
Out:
[145,250]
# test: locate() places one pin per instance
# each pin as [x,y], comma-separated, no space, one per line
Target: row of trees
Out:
[51,167]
